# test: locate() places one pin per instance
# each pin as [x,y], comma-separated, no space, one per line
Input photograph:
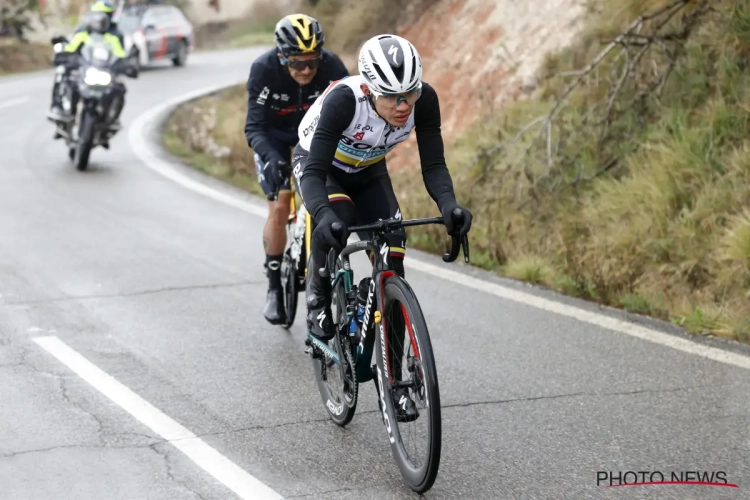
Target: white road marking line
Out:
[590,317]
[146,152]
[207,458]
[138,134]
[13,102]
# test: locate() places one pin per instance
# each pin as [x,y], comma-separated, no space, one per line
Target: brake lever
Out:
[455,247]
[465,245]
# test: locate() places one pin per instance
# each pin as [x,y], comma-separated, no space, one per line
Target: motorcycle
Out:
[93,95]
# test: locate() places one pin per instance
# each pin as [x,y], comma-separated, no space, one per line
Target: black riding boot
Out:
[274,311]
[318,293]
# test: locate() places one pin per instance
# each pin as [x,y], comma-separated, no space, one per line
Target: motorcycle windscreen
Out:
[97,52]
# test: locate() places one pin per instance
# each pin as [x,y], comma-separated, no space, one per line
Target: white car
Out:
[155,32]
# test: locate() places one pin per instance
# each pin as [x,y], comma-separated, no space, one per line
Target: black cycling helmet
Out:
[298,34]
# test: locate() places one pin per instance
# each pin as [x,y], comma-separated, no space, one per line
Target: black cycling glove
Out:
[274,171]
[458,225]
[324,235]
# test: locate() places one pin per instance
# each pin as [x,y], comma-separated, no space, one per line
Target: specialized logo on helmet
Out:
[304,25]
[393,52]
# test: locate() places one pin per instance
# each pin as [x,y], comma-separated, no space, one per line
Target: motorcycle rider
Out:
[108,8]
[101,8]
[282,85]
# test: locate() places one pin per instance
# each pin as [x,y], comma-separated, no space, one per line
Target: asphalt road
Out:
[161,288]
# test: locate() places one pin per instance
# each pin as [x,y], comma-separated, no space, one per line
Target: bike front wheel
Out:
[407,382]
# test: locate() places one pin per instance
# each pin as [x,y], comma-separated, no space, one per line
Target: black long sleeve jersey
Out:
[342,130]
[276,102]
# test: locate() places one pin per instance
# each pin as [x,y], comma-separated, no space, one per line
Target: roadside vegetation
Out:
[624,179]
[348,23]
[255,29]
[209,136]
[19,57]
[22,46]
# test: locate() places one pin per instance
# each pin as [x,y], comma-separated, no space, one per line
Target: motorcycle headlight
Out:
[97,77]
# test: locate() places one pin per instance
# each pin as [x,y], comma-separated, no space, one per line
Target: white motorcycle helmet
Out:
[390,64]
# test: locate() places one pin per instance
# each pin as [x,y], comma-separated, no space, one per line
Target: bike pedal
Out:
[313,353]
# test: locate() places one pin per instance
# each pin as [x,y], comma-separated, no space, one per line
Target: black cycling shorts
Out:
[284,149]
[361,198]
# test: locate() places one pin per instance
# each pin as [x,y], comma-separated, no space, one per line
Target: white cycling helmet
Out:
[390,64]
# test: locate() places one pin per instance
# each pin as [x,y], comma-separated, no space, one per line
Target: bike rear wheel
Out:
[405,332]
[289,281]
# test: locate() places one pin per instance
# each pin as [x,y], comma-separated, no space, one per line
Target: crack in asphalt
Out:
[134,294]
[453,405]
[170,473]
[571,395]
[100,431]
[12,365]
[63,381]
[66,397]
[269,426]
[115,434]
[307,495]
[14,454]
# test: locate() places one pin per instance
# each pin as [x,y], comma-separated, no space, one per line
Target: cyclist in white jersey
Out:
[339,163]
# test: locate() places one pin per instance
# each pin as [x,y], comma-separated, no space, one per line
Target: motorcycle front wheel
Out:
[85,141]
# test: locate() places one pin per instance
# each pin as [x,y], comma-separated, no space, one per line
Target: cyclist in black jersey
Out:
[340,160]
[282,85]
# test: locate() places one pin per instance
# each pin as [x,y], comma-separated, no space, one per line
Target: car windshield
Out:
[128,23]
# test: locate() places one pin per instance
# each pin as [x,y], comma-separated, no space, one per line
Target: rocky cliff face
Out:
[479,54]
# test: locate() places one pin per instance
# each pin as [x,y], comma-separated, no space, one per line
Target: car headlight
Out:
[97,77]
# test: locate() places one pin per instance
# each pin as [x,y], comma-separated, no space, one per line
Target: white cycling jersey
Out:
[366,140]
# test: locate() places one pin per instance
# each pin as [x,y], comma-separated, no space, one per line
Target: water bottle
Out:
[363,290]
[360,313]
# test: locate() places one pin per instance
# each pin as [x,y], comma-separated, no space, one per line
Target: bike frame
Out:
[294,222]
[381,271]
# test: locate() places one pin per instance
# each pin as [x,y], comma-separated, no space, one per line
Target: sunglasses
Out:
[300,64]
[393,100]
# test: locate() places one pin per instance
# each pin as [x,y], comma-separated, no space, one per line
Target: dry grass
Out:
[348,23]
[220,116]
[17,57]
[664,230]
[255,29]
